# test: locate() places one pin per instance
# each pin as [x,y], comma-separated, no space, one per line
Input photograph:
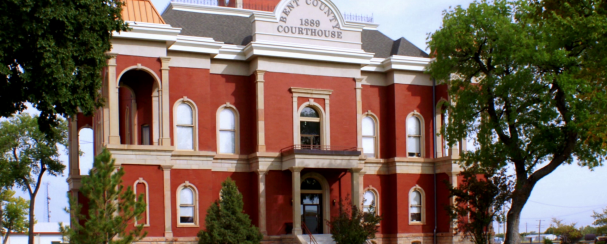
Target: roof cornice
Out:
[149,31]
[398,62]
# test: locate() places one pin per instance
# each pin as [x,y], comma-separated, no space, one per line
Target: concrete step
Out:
[320,238]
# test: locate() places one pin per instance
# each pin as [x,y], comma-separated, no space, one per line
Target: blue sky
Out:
[570,193]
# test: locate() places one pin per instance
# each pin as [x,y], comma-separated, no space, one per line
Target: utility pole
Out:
[48,204]
[539,230]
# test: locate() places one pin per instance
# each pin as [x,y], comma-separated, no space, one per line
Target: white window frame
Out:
[325,114]
[321,114]
[376,194]
[187,101]
[423,206]
[376,132]
[147,200]
[422,141]
[236,128]
[187,184]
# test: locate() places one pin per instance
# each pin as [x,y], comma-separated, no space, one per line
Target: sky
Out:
[570,193]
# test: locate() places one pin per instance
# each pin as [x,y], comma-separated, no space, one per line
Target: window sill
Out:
[187,225]
[416,223]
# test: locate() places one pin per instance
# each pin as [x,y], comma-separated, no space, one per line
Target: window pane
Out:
[369,146]
[186,196]
[413,146]
[185,137]
[145,135]
[413,126]
[184,114]
[226,120]
[309,128]
[226,142]
[368,126]
[416,198]
[369,199]
[309,112]
[417,217]
[416,209]
[186,214]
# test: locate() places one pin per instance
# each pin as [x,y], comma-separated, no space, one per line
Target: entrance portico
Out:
[312,200]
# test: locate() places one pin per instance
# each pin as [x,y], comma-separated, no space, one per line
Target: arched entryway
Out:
[315,203]
[138,102]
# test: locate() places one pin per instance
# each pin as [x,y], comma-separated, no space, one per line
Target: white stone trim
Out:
[438,124]
[423,207]
[236,128]
[196,44]
[187,184]
[422,140]
[147,200]
[149,31]
[189,102]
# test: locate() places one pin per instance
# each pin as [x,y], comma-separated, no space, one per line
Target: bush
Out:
[354,226]
[547,241]
[600,242]
[226,222]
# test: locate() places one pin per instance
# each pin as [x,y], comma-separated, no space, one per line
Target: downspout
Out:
[434,153]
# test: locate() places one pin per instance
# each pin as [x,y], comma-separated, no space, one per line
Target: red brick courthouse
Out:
[301,107]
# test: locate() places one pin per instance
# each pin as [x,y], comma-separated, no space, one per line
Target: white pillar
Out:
[168,229]
[260,97]
[113,102]
[296,182]
[262,201]
[166,134]
[356,186]
[359,114]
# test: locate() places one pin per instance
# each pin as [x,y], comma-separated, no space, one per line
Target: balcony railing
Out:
[321,150]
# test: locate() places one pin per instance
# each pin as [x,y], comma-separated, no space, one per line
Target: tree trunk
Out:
[8,231]
[519,199]
[30,234]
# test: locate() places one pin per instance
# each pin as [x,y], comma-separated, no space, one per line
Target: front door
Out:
[311,212]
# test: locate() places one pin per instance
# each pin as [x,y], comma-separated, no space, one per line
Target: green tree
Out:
[354,226]
[600,221]
[479,200]
[52,53]
[30,154]
[14,215]
[567,232]
[112,208]
[527,81]
[587,230]
[226,222]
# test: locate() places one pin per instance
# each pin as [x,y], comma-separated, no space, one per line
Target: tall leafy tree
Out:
[112,208]
[527,81]
[226,221]
[52,53]
[30,154]
[600,221]
[479,200]
[14,215]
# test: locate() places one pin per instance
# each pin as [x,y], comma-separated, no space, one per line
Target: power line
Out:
[547,204]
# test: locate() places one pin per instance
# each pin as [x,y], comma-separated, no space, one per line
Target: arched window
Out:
[187,205]
[370,199]
[309,126]
[417,206]
[184,122]
[414,137]
[369,133]
[141,187]
[227,131]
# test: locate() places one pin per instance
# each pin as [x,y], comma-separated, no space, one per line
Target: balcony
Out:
[317,156]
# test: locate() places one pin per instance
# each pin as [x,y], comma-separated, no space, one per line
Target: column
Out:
[359,114]
[296,182]
[262,201]
[296,139]
[165,134]
[73,147]
[168,229]
[113,101]
[260,97]
[356,186]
